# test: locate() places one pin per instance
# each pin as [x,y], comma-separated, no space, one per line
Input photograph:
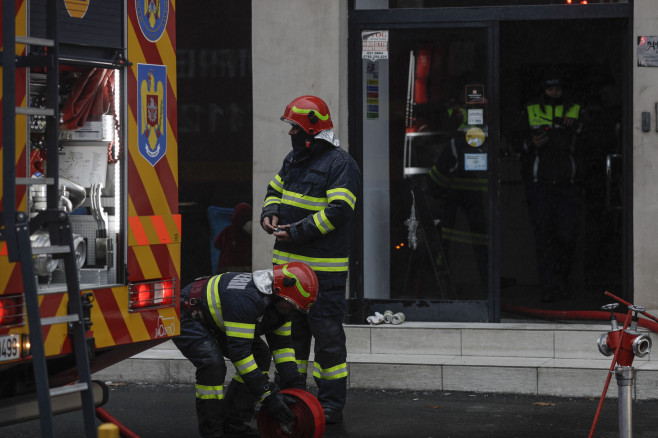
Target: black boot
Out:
[236,429]
[333,416]
[210,414]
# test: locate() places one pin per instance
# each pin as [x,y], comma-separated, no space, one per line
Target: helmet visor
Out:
[294,304]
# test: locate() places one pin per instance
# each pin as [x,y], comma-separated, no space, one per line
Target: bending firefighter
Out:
[225,316]
[308,208]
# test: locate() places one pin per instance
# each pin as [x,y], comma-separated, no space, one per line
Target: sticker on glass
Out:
[475,161]
[475,137]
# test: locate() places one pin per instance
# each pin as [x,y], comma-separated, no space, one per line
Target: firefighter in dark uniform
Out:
[551,127]
[458,181]
[225,316]
[308,207]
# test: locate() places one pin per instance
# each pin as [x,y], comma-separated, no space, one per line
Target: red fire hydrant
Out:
[625,345]
[633,343]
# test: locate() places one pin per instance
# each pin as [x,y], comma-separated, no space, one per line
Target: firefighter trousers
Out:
[324,323]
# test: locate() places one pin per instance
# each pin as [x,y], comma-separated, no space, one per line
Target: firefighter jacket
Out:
[237,311]
[458,179]
[315,192]
[554,161]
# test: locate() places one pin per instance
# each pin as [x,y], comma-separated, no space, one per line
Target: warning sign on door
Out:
[374,44]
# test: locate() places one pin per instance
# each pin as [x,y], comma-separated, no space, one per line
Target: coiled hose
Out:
[308,424]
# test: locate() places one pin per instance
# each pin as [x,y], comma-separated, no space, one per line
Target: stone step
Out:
[526,358]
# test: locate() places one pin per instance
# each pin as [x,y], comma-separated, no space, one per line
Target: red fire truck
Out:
[90,235]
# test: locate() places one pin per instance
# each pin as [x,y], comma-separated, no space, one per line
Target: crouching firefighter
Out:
[225,316]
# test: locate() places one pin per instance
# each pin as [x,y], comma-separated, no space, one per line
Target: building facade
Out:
[443,229]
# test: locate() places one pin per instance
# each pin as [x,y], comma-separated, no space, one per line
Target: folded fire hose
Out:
[308,424]
[388,317]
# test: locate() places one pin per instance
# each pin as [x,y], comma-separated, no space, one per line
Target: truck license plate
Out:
[10,347]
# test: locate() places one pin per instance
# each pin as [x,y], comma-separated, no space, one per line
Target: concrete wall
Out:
[645,164]
[299,47]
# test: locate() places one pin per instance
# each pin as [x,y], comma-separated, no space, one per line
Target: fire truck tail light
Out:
[11,311]
[152,294]
[165,294]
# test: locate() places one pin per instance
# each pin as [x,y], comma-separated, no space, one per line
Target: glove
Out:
[277,406]
[297,382]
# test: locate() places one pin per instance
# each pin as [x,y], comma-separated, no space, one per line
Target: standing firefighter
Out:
[308,207]
[225,316]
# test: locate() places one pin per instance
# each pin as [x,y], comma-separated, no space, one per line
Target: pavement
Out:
[167,410]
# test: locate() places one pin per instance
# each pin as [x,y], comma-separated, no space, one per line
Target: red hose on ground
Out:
[103,415]
[585,315]
[309,423]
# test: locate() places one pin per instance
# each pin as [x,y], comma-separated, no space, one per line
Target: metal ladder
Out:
[17,227]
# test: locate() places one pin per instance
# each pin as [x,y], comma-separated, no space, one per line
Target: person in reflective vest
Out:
[225,316]
[308,207]
[550,173]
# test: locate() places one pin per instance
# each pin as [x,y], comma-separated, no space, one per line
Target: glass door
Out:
[429,163]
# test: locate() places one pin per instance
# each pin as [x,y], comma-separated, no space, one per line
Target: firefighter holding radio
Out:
[225,316]
[551,128]
[308,207]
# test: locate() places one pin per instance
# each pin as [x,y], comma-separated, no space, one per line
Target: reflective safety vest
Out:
[463,126]
[453,185]
[553,162]
[544,115]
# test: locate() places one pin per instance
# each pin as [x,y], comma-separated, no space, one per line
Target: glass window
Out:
[394,4]
[425,164]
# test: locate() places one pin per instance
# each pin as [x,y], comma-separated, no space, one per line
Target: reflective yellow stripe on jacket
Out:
[303,201]
[240,330]
[246,365]
[284,330]
[341,194]
[323,264]
[214,304]
[277,185]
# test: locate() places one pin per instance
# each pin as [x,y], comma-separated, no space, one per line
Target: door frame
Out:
[489,17]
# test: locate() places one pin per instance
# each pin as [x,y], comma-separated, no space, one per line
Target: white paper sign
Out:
[83,165]
[374,44]
[647,51]
[475,161]
[476,116]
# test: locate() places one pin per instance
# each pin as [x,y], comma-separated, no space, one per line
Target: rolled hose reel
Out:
[308,424]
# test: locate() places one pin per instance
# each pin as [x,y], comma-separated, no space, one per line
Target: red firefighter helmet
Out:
[310,113]
[296,283]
